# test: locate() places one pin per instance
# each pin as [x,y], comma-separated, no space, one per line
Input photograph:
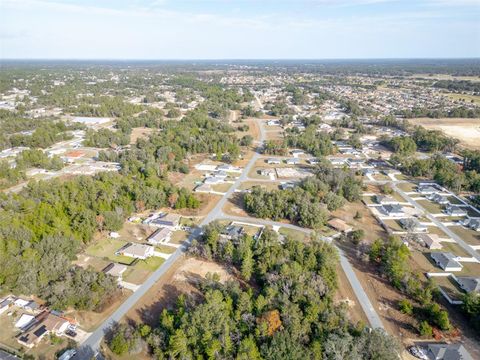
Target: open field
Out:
[293,234]
[266,185]
[470,236]
[143,268]
[431,207]
[182,278]
[464,97]
[140,133]
[365,221]
[465,130]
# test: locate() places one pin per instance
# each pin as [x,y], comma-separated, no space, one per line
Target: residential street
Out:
[91,344]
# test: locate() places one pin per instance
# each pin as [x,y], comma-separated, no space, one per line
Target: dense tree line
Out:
[195,133]
[442,170]
[458,112]
[392,257]
[458,85]
[316,143]
[43,227]
[283,309]
[35,158]
[308,203]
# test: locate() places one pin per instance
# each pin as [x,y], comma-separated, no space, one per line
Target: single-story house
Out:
[438,198]
[384,200]
[212,180]
[292,161]
[46,323]
[273,122]
[233,232]
[469,283]
[426,189]
[228,168]
[313,161]
[220,174]
[448,352]
[160,235]
[266,172]
[337,161]
[273,161]
[115,270]
[446,261]
[203,188]
[431,241]
[169,220]
[356,163]
[137,251]
[339,225]
[412,224]
[394,210]
[455,210]
[473,224]
[286,186]
[5,304]
[297,152]
[24,321]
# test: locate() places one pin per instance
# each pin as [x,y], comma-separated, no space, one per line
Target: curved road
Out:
[90,346]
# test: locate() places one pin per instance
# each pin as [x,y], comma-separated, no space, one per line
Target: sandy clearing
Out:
[465,130]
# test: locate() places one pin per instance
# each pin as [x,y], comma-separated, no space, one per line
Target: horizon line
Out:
[238,59]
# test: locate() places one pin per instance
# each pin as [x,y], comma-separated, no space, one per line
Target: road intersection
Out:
[89,348]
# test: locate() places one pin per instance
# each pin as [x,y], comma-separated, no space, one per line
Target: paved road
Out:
[433,219]
[91,344]
[362,297]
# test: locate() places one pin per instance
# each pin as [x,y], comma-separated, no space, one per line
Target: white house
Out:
[446,261]
[160,235]
[455,210]
[137,251]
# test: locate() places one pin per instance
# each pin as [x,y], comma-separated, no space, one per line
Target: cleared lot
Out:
[465,130]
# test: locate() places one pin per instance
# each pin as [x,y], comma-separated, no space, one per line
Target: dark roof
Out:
[448,352]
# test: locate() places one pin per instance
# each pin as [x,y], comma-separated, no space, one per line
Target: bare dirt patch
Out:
[465,130]
[140,132]
[182,278]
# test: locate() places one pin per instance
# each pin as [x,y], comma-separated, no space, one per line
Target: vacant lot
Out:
[182,278]
[465,130]
[140,132]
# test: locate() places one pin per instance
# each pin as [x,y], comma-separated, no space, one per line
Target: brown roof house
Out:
[44,324]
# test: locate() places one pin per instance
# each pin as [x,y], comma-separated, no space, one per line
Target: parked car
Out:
[418,352]
[70,333]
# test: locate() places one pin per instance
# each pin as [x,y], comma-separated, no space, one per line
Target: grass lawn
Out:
[431,207]
[453,200]
[141,271]
[393,225]
[293,234]
[105,248]
[450,286]
[423,262]
[266,185]
[369,200]
[165,249]
[222,187]
[469,269]
[453,248]
[471,212]
[407,186]
[436,230]
[178,237]
[470,236]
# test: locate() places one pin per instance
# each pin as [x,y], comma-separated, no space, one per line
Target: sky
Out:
[239,29]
